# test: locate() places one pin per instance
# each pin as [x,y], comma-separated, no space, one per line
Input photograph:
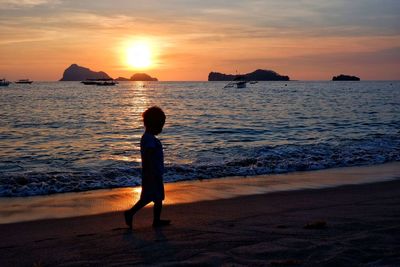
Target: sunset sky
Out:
[305,39]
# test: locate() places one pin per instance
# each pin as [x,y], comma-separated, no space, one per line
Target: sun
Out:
[139,55]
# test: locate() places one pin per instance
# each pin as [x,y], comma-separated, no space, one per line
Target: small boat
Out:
[26,81]
[239,82]
[107,83]
[100,82]
[4,82]
[90,81]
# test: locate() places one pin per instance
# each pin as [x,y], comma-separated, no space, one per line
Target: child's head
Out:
[154,120]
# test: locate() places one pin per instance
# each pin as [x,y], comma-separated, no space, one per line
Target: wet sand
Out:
[118,199]
[349,225]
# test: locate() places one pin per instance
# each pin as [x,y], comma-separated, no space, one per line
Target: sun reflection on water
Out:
[138,102]
[124,158]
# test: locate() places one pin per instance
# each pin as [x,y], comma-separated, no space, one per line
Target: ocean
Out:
[60,137]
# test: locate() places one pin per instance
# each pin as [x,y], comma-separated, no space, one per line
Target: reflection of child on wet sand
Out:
[152,167]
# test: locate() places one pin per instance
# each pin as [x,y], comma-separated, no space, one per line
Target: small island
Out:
[343,77]
[138,77]
[258,75]
[79,73]
[122,79]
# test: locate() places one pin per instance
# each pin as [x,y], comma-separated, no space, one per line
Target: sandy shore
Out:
[362,228]
[111,200]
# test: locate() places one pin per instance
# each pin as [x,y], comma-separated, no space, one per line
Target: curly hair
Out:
[154,119]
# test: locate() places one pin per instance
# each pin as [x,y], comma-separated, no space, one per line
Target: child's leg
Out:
[129,213]
[157,210]
[157,215]
[139,204]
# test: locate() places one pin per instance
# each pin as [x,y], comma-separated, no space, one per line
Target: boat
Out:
[107,83]
[4,82]
[90,81]
[239,82]
[26,81]
[100,82]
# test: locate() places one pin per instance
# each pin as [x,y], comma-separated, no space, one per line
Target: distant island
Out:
[343,77]
[79,73]
[138,77]
[258,75]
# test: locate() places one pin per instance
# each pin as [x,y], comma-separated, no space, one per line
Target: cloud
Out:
[16,4]
[385,56]
[378,64]
[214,30]
[252,18]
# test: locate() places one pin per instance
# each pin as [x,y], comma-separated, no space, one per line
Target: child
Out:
[152,167]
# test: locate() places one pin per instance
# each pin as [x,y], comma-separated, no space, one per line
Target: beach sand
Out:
[94,202]
[350,225]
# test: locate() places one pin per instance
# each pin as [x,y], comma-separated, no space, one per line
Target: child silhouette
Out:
[152,167]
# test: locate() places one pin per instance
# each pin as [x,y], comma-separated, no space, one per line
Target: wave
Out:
[238,161]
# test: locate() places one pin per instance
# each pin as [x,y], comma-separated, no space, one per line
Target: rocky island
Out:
[258,75]
[122,79]
[138,77]
[343,77]
[79,73]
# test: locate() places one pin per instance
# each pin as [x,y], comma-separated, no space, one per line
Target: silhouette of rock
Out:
[142,77]
[78,73]
[343,77]
[122,79]
[137,77]
[217,76]
[258,75]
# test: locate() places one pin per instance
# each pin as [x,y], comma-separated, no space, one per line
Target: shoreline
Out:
[362,227]
[94,202]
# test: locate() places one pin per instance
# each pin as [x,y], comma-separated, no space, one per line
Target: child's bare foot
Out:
[160,223]
[128,219]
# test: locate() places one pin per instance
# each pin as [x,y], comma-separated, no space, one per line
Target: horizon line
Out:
[366,80]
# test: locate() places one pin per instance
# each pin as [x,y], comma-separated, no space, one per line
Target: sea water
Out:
[65,136]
